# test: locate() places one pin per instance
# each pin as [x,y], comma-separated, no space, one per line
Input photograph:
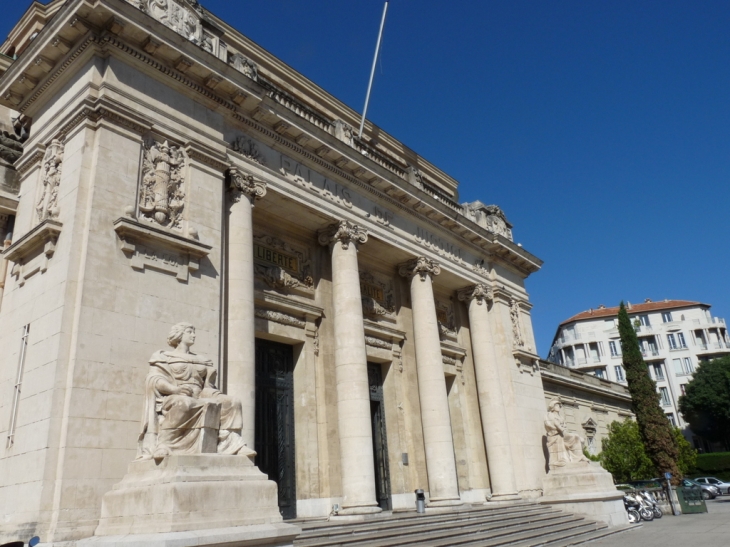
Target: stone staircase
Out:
[519,524]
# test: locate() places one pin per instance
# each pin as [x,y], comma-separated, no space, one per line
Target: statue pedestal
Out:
[186,500]
[585,488]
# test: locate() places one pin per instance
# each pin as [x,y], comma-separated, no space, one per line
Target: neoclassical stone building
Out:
[377,330]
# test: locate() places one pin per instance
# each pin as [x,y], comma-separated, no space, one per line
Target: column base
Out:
[444,502]
[359,510]
[512,496]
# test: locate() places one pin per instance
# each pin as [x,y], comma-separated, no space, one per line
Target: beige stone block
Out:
[87,403]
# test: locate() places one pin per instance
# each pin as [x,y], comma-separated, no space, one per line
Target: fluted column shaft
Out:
[489,389]
[241,337]
[353,392]
[435,417]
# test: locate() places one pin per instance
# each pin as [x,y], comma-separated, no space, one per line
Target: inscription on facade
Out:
[314,182]
[372,291]
[277,258]
[439,245]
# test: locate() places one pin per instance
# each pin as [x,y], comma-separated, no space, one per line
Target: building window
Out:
[680,339]
[600,373]
[688,368]
[644,320]
[664,396]
[672,341]
[658,372]
[667,316]
[619,373]
[613,347]
[677,364]
[670,416]
[683,388]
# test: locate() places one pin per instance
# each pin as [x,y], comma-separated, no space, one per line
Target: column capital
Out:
[479,292]
[343,231]
[244,184]
[421,265]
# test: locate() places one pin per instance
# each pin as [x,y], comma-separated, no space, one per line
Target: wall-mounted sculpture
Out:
[162,192]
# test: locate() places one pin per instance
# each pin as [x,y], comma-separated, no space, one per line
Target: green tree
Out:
[623,454]
[687,455]
[706,402]
[655,429]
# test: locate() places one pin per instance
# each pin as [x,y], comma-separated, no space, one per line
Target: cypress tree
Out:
[656,431]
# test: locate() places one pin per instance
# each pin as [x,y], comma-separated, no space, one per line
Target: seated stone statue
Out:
[184,412]
[563,448]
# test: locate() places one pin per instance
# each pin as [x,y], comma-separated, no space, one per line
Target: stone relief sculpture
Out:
[184,412]
[47,205]
[378,298]
[564,448]
[181,16]
[514,314]
[490,217]
[11,147]
[244,65]
[162,192]
[248,148]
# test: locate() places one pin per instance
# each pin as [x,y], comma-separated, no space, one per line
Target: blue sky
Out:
[601,128]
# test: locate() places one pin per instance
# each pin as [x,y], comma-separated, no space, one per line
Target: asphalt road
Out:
[708,528]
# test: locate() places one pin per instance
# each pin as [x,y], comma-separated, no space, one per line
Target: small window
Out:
[688,368]
[671,420]
[664,396]
[672,341]
[680,339]
[683,388]
[644,320]
[667,316]
[619,370]
[613,347]
[658,372]
[600,373]
[677,364]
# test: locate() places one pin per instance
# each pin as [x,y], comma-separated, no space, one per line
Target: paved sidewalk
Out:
[708,528]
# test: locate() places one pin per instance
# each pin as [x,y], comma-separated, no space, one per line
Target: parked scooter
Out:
[632,506]
[652,502]
[646,512]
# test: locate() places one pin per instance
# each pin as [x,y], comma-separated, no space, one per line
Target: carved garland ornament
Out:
[162,193]
[47,205]
[419,266]
[245,185]
[343,231]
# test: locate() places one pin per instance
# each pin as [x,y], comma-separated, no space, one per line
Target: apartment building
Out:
[674,335]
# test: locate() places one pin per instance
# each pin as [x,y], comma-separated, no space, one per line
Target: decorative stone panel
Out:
[162,187]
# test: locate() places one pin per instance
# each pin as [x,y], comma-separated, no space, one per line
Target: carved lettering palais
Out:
[248,148]
[47,203]
[162,189]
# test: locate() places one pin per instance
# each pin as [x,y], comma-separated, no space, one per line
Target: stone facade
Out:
[176,171]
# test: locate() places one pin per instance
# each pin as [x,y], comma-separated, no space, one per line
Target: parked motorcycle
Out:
[651,500]
[646,512]
[632,506]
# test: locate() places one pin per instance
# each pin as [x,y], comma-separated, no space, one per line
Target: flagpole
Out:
[372,71]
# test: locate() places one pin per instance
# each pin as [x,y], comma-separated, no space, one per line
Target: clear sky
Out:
[601,128]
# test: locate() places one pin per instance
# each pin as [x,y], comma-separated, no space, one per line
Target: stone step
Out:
[410,520]
[446,532]
[583,538]
[512,535]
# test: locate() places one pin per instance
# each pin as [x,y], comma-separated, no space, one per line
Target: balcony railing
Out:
[711,321]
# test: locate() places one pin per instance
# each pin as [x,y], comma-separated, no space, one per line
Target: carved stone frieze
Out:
[248,148]
[244,184]
[478,268]
[378,343]
[479,292]
[514,314]
[244,65]
[47,204]
[162,190]
[490,217]
[184,17]
[281,318]
[344,232]
[421,266]
[378,297]
[281,265]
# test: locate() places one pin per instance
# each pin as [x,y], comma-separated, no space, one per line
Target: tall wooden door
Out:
[380,438]
[274,443]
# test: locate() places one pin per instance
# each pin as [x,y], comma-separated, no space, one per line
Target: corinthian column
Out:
[241,376]
[440,464]
[353,392]
[491,404]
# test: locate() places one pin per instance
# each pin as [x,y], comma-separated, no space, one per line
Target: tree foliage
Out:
[623,454]
[706,403]
[654,427]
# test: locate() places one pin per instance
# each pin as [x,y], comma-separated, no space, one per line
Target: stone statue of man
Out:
[563,448]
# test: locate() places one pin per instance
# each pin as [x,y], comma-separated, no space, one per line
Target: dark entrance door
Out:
[275,420]
[380,439]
